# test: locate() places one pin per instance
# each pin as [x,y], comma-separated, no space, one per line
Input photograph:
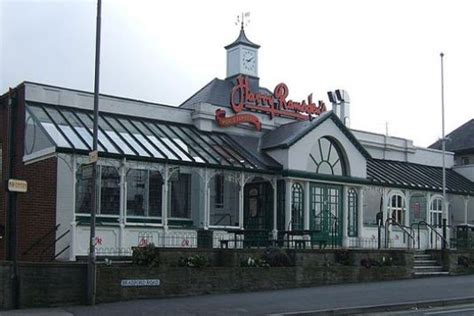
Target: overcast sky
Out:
[384,53]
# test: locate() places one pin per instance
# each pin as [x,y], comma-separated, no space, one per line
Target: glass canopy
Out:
[71,129]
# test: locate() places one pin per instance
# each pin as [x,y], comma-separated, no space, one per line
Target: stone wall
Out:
[44,284]
[179,281]
[54,284]
[457,262]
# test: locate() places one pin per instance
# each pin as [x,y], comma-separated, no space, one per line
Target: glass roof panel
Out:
[115,137]
[142,139]
[132,136]
[49,127]
[35,138]
[197,136]
[196,149]
[159,145]
[168,144]
[67,129]
[181,144]
[127,136]
[221,140]
[88,128]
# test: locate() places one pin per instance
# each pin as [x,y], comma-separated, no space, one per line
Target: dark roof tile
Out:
[288,134]
[461,140]
[417,176]
[242,40]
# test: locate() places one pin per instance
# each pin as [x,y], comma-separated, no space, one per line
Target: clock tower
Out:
[242,57]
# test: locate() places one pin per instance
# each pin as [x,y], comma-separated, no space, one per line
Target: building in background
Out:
[235,165]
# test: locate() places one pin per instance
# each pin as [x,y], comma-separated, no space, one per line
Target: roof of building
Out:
[251,145]
[459,141]
[68,129]
[216,92]
[288,134]
[416,176]
[242,40]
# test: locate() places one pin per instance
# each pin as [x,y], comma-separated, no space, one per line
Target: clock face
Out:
[249,62]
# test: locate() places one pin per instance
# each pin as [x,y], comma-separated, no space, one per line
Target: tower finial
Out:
[243,19]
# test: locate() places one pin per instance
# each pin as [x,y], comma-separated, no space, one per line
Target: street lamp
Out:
[91,267]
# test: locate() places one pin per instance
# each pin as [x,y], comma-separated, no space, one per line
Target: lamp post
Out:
[443,148]
[91,267]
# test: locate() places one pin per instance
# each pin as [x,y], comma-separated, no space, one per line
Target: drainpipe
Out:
[11,198]
[466,202]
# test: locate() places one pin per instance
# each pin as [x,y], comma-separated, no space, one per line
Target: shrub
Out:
[256,263]
[276,257]
[196,261]
[343,257]
[387,261]
[369,262]
[145,256]
[463,261]
[365,263]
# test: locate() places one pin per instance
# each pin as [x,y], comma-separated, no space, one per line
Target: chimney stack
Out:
[340,101]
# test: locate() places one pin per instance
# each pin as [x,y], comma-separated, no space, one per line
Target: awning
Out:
[416,176]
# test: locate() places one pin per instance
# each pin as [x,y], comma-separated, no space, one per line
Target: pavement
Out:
[346,299]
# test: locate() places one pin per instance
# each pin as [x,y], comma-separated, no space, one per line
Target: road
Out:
[284,301]
[458,310]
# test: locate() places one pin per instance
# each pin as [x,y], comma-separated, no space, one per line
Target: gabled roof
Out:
[415,176]
[288,134]
[216,92]
[459,141]
[242,40]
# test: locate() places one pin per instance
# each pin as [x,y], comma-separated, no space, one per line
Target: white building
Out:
[235,163]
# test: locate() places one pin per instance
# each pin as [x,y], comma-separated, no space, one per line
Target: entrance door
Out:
[326,214]
[258,212]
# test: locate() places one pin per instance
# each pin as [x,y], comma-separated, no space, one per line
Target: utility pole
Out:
[91,267]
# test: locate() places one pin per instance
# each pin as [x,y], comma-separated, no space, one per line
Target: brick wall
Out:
[36,208]
[3,141]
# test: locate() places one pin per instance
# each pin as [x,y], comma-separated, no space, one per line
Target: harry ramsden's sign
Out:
[242,98]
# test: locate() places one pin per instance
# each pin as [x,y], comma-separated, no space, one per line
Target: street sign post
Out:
[93,156]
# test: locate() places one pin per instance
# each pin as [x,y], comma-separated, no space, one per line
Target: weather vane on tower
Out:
[243,19]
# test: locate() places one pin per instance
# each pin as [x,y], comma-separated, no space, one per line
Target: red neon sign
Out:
[274,105]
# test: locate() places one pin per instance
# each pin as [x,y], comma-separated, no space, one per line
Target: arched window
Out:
[417,208]
[144,193]
[436,212]
[297,207]
[327,158]
[397,209]
[352,213]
